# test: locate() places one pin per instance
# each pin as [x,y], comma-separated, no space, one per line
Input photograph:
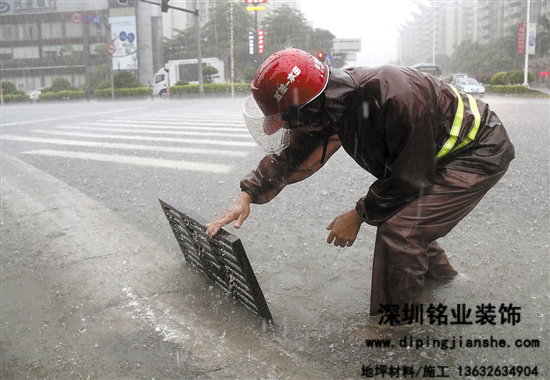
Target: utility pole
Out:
[232,52]
[526,70]
[199,60]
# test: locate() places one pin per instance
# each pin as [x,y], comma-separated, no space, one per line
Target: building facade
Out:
[439,28]
[41,40]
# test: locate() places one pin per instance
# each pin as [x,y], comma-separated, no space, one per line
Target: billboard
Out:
[527,38]
[124,39]
[531,38]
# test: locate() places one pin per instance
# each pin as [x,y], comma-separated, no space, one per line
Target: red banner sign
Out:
[260,41]
[522,33]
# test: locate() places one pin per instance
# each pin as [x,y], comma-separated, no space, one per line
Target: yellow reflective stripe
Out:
[455,129]
[477,117]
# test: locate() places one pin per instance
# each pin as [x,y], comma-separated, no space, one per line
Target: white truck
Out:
[184,69]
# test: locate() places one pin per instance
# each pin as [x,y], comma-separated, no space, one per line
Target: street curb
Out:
[87,248]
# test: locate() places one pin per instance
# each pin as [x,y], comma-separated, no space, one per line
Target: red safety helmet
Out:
[288,77]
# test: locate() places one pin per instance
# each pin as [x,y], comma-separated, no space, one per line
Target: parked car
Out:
[456,77]
[469,86]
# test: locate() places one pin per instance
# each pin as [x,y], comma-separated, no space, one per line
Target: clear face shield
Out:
[267,131]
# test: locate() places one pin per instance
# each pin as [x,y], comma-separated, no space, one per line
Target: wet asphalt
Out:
[94,285]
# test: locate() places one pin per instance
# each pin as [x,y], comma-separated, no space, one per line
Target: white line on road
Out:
[148,138]
[80,116]
[93,144]
[194,128]
[132,160]
[162,122]
[188,133]
[157,117]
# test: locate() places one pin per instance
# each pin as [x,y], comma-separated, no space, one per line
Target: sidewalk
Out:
[85,295]
[546,89]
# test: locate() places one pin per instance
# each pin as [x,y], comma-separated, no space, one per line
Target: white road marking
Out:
[186,133]
[93,144]
[80,116]
[149,117]
[166,127]
[148,138]
[137,123]
[132,160]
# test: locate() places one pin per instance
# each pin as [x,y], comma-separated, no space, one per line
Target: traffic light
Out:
[320,55]
[164,5]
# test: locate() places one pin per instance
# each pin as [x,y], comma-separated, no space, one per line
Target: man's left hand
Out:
[344,229]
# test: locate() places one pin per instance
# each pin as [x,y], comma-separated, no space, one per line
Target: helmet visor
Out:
[267,131]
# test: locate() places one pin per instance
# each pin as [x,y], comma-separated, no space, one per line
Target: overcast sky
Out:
[374,21]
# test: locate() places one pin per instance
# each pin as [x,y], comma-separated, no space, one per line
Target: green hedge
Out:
[512,89]
[212,88]
[137,92]
[62,95]
[511,77]
[16,98]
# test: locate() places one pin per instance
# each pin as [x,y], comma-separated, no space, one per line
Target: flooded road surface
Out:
[93,285]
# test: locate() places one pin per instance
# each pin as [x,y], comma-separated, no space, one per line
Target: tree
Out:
[125,79]
[209,73]
[478,60]
[287,27]
[216,37]
[61,84]
[8,88]
[284,27]
[541,60]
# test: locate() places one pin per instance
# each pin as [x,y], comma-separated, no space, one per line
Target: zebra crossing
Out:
[194,144]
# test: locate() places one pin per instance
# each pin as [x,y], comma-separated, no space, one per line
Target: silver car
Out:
[470,86]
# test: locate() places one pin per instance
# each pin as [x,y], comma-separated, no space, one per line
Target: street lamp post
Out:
[199,60]
[433,40]
[526,69]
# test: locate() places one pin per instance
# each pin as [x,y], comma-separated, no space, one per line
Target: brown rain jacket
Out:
[393,121]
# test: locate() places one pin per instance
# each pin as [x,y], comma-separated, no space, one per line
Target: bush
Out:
[511,77]
[9,88]
[209,73]
[61,84]
[181,83]
[104,85]
[136,92]
[62,95]
[15,98]
[213,88]
[125,79]
[515,89]
[499,78]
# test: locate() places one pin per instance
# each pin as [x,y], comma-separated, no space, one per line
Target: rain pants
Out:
[434,153]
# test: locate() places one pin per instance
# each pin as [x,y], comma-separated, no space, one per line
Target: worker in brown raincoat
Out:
[434,153]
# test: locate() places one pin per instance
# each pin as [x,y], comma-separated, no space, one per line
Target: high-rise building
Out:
[439,28]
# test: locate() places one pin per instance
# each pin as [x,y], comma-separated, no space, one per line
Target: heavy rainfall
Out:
[104,112]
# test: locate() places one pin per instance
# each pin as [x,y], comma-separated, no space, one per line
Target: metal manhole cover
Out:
[221,258]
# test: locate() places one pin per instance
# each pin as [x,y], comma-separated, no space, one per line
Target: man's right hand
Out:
[238,211]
